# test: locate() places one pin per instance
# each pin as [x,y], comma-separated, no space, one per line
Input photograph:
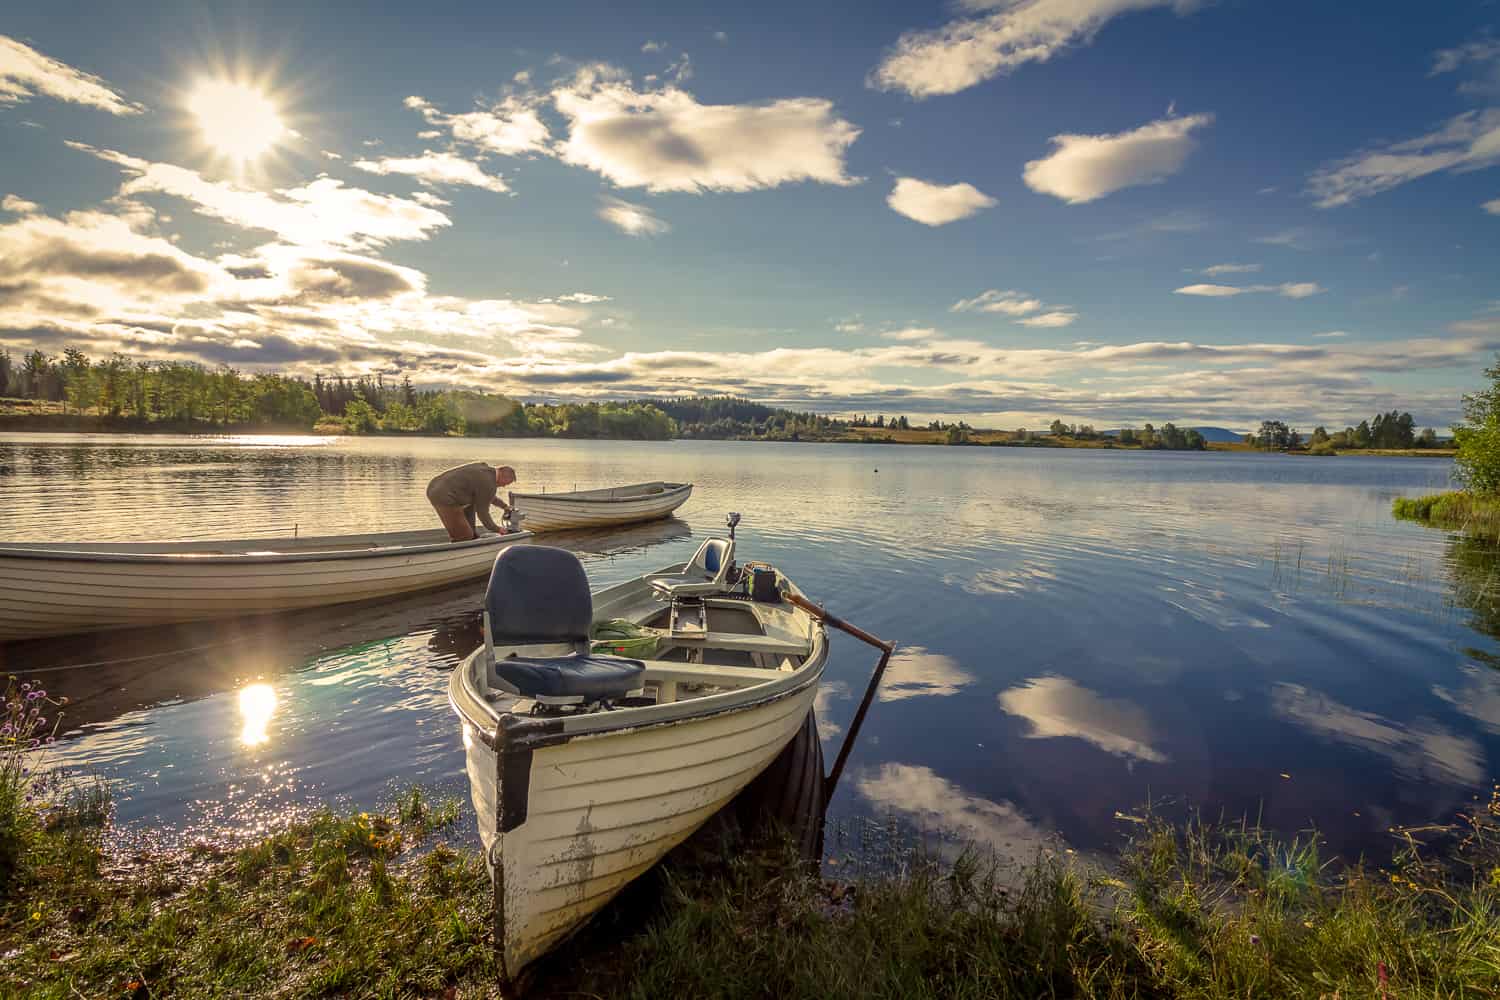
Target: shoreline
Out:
[84,424]
[388,903]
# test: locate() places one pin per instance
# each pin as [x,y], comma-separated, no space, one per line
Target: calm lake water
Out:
[1080,631]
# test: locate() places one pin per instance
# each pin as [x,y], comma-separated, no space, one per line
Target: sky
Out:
[1002,211]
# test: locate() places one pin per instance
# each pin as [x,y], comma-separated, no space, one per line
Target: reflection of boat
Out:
[58,589]
[596,508]
[585,769]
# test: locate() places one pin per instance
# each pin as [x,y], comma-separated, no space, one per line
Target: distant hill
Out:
[1219,435]
[1213,435]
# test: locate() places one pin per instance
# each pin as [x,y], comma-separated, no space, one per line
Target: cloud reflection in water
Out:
[1056,706]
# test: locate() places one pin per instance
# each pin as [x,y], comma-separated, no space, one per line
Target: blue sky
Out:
[1108,211]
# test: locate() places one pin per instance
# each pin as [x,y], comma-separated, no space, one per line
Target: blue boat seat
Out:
[539,596]
[705,574]
[590,678]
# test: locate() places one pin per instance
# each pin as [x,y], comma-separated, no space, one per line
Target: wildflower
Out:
[1255,939]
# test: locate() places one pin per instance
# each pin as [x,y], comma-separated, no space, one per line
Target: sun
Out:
[237,121]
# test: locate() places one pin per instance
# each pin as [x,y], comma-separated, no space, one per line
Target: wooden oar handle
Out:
[826,616]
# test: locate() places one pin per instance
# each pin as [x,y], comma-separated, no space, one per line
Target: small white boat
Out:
[586,769]
[49,589]
[599,508]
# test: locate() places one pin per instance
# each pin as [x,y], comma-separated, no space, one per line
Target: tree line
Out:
[127,392]
[1169,437]
[1393,430]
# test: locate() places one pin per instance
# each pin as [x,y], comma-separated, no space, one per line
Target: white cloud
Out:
[583,298]
[1024,309]
[1057,707]
[653,46]
[917,672]
[18,205]
[630,218]
[1298,289]
[1083,168]
[938,805]
[721,36]
[1482,56]
[1050,320]
[509,127]
[1011,303]
[1421,751]
[1213,271]
[1492,207]
[1332,335]
[665,140]
[970,50]
[936,204]
[322,212]
[1466,142]
[329,155]
[436,168]
[26,73]
[1289,289]
[912,334]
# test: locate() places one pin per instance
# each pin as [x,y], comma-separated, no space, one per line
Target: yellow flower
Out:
[37,915]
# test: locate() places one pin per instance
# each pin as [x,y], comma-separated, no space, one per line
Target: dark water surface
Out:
[1080,631]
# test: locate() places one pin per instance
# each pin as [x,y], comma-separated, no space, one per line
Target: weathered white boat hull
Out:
[64,589]
[599,508]
[602,811]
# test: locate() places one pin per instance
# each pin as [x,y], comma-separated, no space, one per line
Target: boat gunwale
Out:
[257,557]
[669,490]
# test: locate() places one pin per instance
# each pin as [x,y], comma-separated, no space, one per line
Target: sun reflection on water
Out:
[257,705]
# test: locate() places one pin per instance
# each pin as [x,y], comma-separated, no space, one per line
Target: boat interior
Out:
[552,648]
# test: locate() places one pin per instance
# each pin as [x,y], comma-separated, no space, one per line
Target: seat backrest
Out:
[538,594]
[713,557]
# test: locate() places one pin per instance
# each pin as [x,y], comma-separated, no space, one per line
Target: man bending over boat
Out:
[460,494]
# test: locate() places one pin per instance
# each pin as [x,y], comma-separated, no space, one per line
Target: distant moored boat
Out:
[600,508]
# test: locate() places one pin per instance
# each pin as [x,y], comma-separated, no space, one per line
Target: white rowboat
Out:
[585,769]
[600,508]
[49,589]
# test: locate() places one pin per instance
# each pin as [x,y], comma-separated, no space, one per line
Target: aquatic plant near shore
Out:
[25,731]
[1457,511]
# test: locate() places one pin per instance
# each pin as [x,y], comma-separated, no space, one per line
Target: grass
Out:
[1458,511]
[348,906]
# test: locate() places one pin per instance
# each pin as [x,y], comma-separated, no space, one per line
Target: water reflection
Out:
[1209,620]
[1423,749]
[917,672]
[1057,707]
[257,705]
[934,804]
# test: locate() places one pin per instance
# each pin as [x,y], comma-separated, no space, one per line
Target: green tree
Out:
[359,416]
[1478,439]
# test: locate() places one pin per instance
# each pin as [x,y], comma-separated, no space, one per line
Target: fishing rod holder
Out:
[733,521]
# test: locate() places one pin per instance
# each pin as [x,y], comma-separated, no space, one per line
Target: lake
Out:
[1080,632]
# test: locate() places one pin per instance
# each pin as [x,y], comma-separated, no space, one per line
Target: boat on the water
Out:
[600,508]
[586,767]
[49,589]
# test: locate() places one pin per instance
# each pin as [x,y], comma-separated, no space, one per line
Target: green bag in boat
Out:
[618,637]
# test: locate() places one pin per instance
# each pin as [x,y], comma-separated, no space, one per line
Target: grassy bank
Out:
[1454,511]
[363,906]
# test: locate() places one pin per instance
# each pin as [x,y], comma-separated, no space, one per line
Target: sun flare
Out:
[257,705]
[237,121]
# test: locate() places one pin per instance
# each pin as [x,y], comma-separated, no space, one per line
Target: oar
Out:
[886,648]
